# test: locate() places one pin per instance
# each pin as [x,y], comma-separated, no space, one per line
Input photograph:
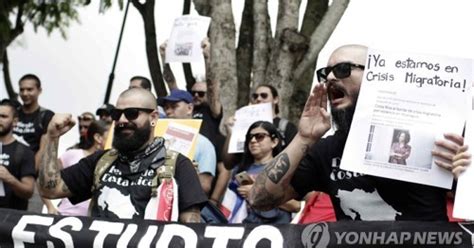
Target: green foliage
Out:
[48,14]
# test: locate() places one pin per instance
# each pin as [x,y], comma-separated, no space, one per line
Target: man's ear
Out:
[98,138]
[190,109]
[154,116]
[15,121]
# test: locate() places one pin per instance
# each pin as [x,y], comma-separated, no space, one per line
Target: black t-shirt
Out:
[210,127]
[124,194]
[362,197]
[20,162]
[289,132]
[31,127]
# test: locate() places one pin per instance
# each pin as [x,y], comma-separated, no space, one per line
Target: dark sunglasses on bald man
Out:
[130,113]
[340,71]
[199,93]
[263,95]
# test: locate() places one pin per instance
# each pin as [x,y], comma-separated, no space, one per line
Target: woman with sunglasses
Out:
[262,143]
[266,93]
[94,141]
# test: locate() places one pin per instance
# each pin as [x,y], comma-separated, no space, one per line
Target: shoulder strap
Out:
[42,113]
[102,165]
[166,171]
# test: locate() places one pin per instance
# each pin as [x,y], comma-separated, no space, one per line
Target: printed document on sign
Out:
[406,102]
[464,202]
[180,134]
[244,118]
[184,44]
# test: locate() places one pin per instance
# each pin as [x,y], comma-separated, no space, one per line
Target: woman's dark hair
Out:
[407,136]
[96,127]
[274,92]
[247,158]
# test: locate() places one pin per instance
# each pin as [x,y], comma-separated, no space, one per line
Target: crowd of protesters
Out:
[282,167]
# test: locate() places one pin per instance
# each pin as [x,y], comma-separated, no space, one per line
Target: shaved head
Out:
[144,97]
[353,52]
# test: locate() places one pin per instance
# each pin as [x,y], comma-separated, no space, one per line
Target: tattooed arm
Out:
[272,187]
[50,182]
[190,215]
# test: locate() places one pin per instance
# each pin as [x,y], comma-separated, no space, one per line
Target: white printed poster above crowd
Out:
[464,202]
[184,44]
[244,117]
[406,102]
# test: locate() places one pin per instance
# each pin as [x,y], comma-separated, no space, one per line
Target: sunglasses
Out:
[262,95]
[340,71]
[258,136]
[130,113]
[199,93]
[85,118]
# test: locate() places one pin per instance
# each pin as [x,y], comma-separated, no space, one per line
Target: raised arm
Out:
[272,187]
[213,86]
[50,182]
[168,74]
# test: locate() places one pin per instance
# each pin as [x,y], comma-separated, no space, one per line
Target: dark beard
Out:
[129,144]
[342,118]
[6,130]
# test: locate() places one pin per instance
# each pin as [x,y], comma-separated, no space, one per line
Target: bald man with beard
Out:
[311,162]
[125,186]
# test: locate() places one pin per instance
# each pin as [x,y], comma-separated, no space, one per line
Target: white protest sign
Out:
[406,102]
[464,202]
[245,117]
[184,44]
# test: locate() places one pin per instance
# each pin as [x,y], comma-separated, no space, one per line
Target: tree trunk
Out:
[188,71]
[321,35]
[314,13]
[5,41]
[203,7]
[261,41]
[147,11]
[244,54]
[287,44]
[6,76]
[223,69]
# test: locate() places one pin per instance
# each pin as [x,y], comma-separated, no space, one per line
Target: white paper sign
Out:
[245,117]
[464,202]
[405,103]
[180,138]
[184,44]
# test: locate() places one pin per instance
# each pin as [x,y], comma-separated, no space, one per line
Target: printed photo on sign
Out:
[183,49]
[399,148]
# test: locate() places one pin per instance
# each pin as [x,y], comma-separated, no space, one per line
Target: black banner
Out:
[25,229]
